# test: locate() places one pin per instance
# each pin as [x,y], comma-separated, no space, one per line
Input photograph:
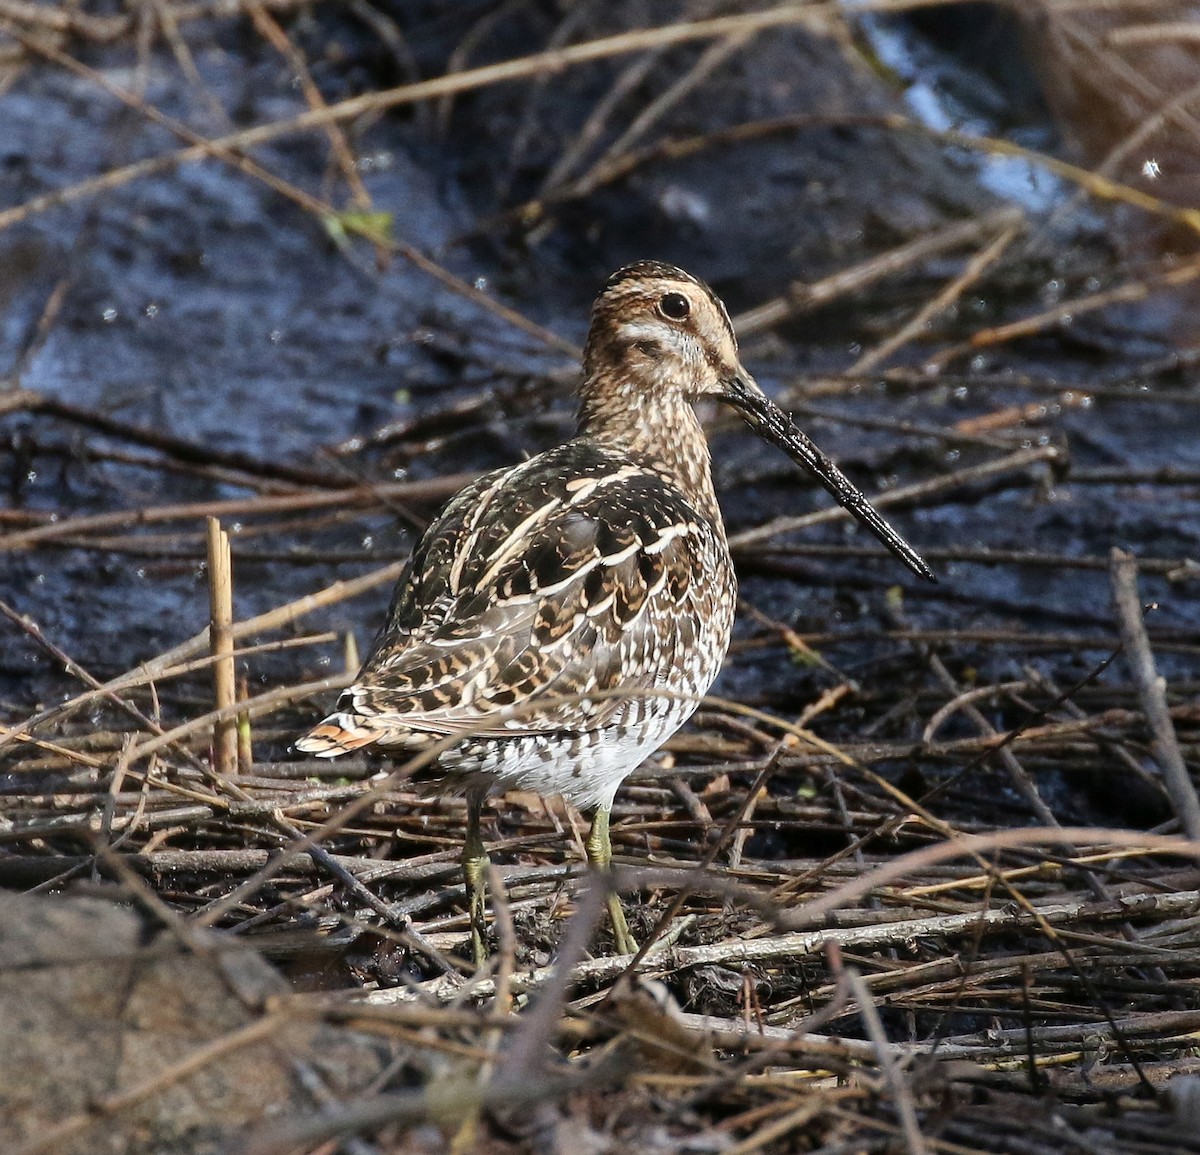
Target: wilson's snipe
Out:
[566,615]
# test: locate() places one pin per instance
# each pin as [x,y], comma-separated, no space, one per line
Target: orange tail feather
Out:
[331,738]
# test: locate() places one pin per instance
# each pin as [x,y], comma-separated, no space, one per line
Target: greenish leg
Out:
[475,868]
[599,853]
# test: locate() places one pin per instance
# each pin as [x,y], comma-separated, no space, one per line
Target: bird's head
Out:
[656,329]
[660,336]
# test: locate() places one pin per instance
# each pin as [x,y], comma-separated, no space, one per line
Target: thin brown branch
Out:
[1152,691]
[917,491]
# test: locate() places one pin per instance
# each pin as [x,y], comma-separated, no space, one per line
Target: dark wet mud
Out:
[204,306]
[200,304]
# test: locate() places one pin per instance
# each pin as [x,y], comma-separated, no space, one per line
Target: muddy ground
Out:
[315,334]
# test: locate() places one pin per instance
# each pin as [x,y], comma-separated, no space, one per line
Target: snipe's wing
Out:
[540,592]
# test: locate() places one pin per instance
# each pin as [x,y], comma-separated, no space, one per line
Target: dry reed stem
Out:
[450,1097]
[574,150]
[1095,183]
[1065,312]
[896,1080]
[220,635]
[555,60]
[712,58]
[103,29]
[245,743]
[945,483]
[256,707]
[803,296]
[231,153]
[975,844]
[978,264]
[173,447]
[790,946]
[358,496]
[1152,691]
[173,661]
[1177,31]
[810,1107]
[270,30]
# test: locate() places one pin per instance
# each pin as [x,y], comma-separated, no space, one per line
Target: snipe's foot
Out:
[599,853]
[475,863]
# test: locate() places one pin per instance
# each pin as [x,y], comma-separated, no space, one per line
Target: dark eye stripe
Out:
[674,306]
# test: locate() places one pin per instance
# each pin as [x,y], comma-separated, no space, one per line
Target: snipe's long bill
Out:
[773,425]
[562,618]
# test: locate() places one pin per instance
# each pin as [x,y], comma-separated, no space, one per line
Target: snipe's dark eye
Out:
[674,306]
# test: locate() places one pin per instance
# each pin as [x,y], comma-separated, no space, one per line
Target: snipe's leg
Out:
[599,853]
[475,867]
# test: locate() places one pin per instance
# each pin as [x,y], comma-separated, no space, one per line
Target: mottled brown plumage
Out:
[566,615]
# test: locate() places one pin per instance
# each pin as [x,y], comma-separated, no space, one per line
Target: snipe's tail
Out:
[338,734]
